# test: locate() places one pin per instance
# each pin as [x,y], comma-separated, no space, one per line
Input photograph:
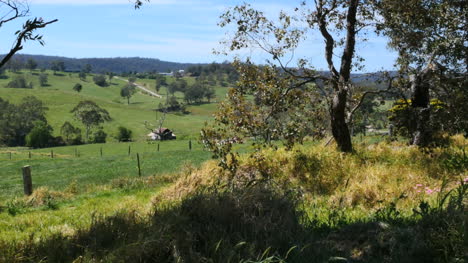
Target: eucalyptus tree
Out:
[337,22]
[90,114]
[430,37]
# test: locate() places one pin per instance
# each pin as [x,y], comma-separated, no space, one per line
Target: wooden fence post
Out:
[52,154]
[76,152]
[101,151]
[27,180]
[29,155]
[158,146]
[190,145]
[129,150]
[138,160]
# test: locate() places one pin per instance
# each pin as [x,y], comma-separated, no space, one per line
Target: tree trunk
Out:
[339,126]
[422,134]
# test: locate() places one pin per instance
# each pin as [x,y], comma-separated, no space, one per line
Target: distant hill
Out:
[101,65]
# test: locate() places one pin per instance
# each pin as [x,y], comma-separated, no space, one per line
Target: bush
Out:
[124,134]
[19,83]
[40,136]
[99,137]
[43,79]
[100,80]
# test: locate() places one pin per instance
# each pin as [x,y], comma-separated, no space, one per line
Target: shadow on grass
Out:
[253,224]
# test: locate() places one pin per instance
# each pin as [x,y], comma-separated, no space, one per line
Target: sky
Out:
[170,30]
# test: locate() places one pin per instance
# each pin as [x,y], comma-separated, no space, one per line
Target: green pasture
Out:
[60,99]
[85,165]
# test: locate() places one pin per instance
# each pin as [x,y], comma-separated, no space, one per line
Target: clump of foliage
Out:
[16,121]
[124,134]
[19,82]
[71,134]
[90,114]
[100,80]
[43,79]
[128,91]
[268,106]
[99,136]
[78,87]
[40,136]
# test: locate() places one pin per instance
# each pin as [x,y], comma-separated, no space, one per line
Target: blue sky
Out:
[171,30]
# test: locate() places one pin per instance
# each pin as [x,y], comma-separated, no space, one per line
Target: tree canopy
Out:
[90,114]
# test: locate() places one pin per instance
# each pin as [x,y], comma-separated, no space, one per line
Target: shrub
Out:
[40,136]
[100,80]
[19,82]
[78,87]
[124,134]
[99,136]
[43,79]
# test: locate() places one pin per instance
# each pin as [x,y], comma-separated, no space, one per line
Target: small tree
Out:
[71,134]
[209,93]
[124,134]
[110,75]
[87,68]
[128,91]
[19,82]
[90,114]
[82,75]
[31,64]
[40,136]
[57,65]
[43,79]
[99,136]
[100,80]
[78,87]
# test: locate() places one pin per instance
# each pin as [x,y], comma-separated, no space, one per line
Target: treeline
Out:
[25,124]
[102,65]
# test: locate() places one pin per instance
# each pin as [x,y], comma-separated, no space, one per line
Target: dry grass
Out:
[371,178]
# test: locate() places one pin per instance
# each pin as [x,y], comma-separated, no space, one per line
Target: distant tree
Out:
[90,114]
[131,80]
[110,75]
[57,65]
[124,134]
[71,134]
[2,74]
[128,91]
[16,121]
[15,65]
[100,80]
[172,88]
[19,82]
[78,87]
[40,136]
[160,81]
[99,136]
[31,64]
[82,75]
[209,93]
[194,93]
[87,69]
[43,79]
[12,11]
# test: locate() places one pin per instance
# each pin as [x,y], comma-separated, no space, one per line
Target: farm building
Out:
[162,134]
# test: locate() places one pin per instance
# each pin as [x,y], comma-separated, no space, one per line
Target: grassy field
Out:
[90,168]
[60,99]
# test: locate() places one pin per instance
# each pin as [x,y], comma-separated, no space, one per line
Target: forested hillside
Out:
[100,65]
